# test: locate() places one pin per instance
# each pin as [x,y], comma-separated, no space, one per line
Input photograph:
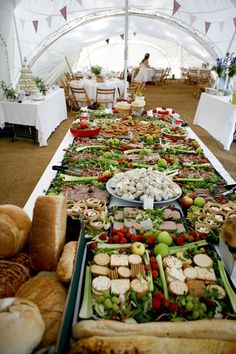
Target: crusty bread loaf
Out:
[228,232]
[21,326]
[47,292]
[15,226]
[12,276]
[66,262]
[151,345]
[48,232]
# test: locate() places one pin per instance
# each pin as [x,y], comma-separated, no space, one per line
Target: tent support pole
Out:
[18,41]
[126,47]
[67,62]
[232,39]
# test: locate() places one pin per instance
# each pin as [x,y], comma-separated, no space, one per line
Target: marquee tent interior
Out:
[51,34]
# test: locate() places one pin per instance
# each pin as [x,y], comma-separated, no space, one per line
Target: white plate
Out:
[112,192]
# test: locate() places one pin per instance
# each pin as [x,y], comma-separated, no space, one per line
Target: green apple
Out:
[116,142]
[107,173]
[162,163]
[107,155]
[149,139]
[161,249]
[164,237]
[199,201]
[138,248]
[199,151]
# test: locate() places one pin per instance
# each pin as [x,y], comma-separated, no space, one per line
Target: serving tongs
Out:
[230,191]
[67,170]
[223,189]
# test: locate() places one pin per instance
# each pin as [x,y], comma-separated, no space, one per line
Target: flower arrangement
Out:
[41,85]
[96,70]
[8,91]
[228,63]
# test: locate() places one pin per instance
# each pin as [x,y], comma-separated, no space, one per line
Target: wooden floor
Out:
[22,163]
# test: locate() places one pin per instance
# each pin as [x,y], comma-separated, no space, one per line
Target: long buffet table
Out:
[217,115]
[45,115]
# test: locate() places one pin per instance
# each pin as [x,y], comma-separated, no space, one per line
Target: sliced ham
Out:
[119,215]
[168,226]
[180,228]
[176,215]
[118,225]
[168,213]
[130,211]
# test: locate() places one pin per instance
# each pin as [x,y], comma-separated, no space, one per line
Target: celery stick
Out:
[113,246]
[188,179]
[230,292]
[69,178]
[86,307]
[175,249]
[162,275]
[142,151]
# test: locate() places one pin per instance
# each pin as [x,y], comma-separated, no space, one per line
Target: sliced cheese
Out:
[191,273]
[172,261]
[203,260]
[178,287]
[119,286]
[119,260]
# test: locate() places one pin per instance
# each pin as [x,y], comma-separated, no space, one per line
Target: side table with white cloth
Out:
[148,74]
[91,87]
[217,115]
[45,115]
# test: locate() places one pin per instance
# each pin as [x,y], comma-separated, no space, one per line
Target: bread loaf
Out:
[48,232]
[228,232]
[46,291]
[15,226]
[151,345]
[66,262]
[21,326]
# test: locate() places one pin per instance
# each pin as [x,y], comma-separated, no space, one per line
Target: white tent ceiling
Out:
[176,33]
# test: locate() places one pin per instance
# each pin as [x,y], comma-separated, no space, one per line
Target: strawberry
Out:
[180,240]
[202,235]
[156,304]
[128,235]
[153,260]
[165,302]
[123,240]
[155,273]
[134,238]
[103,236]
[158,295]
[140,238]
[116,239]
[173,307]
[113,231]
[93,245]
[154,266]
[110,240]
[150,240]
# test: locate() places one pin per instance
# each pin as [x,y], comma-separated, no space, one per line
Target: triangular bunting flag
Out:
[234,19]
[221,25]
[134,33]
[35,24]
[80,2]
[108,40]
[63,12]
[207,26]
[176,7]
[122,36]
[22,22]
[192,19]
[49,21]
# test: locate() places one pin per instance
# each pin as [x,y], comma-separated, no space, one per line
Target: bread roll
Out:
[46,291]
[15,226]
[66,262]
[21,326]
[228,232]
[151,345]
[48,232]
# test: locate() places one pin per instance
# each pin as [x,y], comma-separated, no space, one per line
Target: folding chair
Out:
[80,96]
[105,96]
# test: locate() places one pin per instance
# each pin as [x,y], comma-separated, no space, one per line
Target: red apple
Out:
[191,195]
[186,201]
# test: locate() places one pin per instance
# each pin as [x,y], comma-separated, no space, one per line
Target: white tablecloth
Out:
[217,116]
[91,87]
[148,74]
[44,115]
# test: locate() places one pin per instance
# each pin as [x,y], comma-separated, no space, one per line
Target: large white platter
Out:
[136,201]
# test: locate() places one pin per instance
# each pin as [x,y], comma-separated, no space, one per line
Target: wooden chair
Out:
[159,77]
[70,101]
[132,89]
[105,96]
[203,81]
[80,96]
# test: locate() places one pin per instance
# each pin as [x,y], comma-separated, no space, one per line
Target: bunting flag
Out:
[22,22]
[207,26]
[122,36]
[107,40]
[176,7]
[192,19]
[134,33]
[35,24]
[221,25]
[63,12]
[49,21]
[80,2]
[234,19]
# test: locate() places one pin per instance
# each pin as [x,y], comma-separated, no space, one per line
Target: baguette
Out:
[201,329]
[66,262]
[151,345]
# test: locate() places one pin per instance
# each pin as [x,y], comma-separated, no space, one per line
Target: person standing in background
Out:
[140,77]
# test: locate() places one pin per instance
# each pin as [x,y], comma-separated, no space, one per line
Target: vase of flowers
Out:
[8,91]
[226,70]
[96,71]
[40,85]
